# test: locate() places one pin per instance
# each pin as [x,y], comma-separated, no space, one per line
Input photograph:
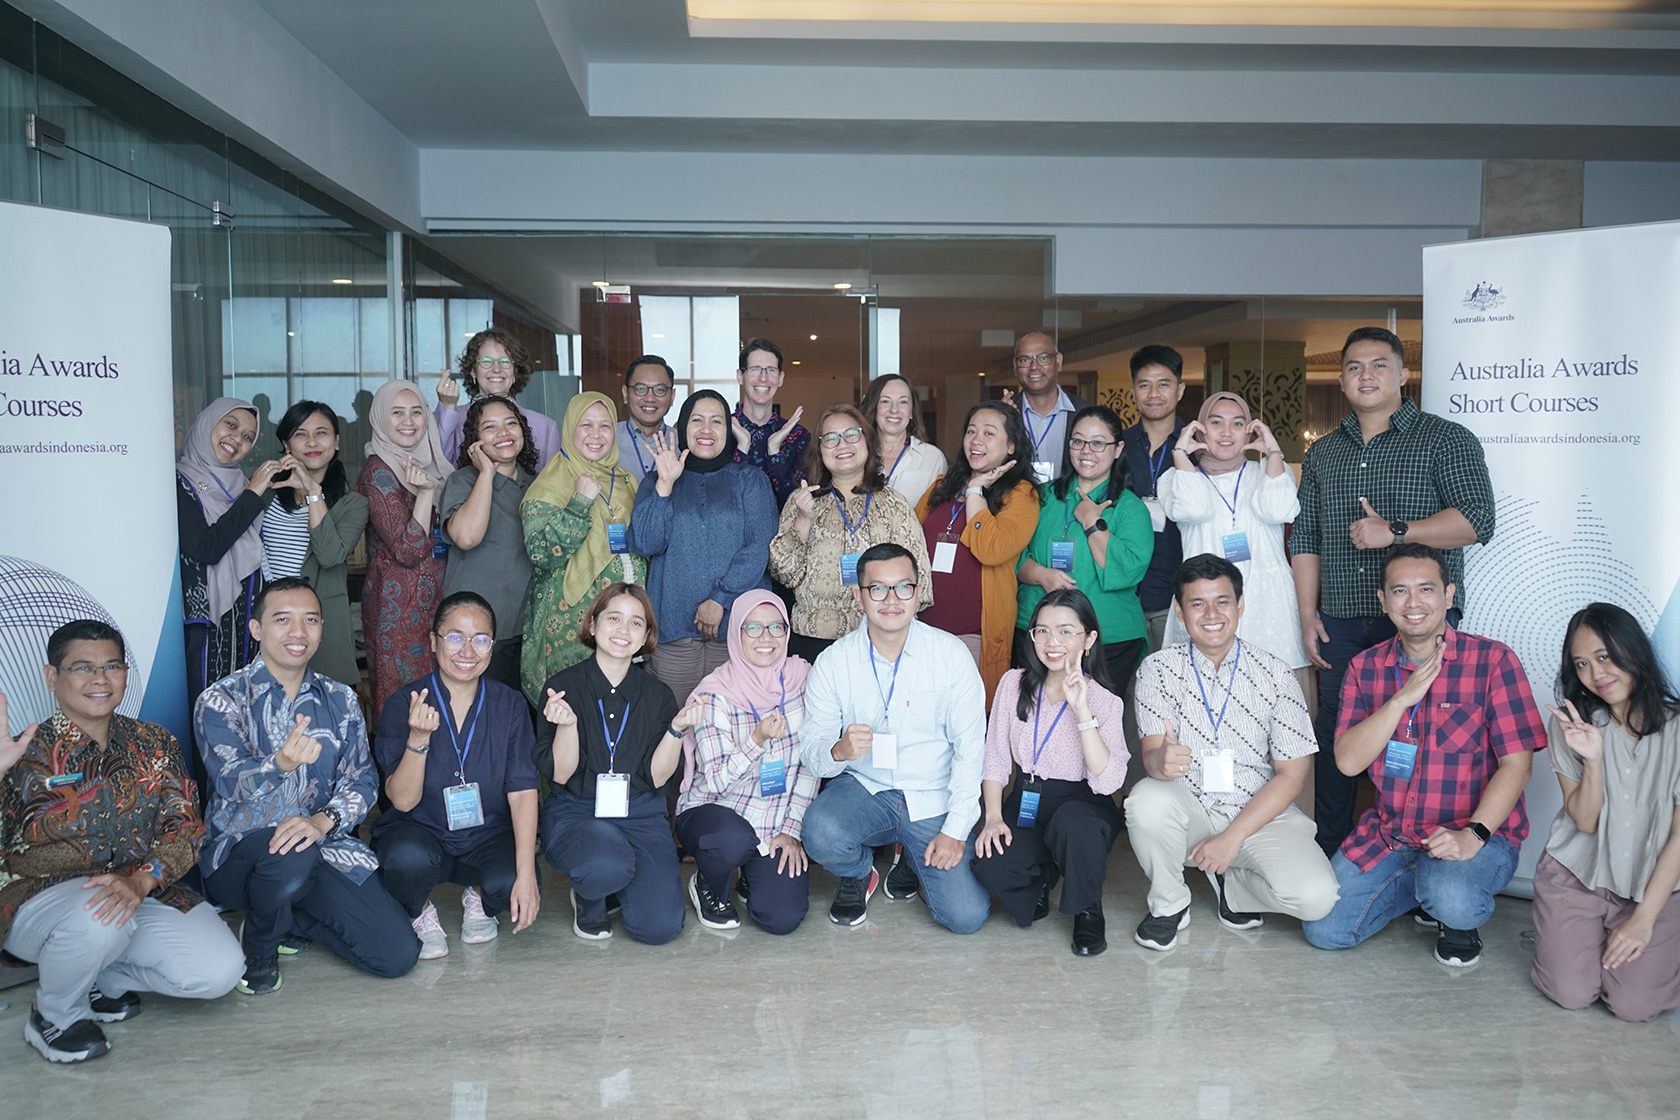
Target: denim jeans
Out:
[846,821]
[1456,893]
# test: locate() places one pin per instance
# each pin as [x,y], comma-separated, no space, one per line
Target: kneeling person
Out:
[98,822]
[1227,743]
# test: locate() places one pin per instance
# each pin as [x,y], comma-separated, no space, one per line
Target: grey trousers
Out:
[682,663]
[159,949]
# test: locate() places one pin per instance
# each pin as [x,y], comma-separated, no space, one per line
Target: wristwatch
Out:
[1099,523]
[311,499]
[1481,831]
[1398,528]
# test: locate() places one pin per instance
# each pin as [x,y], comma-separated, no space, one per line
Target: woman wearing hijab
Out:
[401,479]
[704,522]
[217,511]
[744,794]
[576,517]
[1229,507]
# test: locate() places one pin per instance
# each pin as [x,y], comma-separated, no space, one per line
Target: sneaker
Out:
[477,927]
[262,975]
[78,1042]
[901,884]
[1229,918]
[741,885]
[851,899]
[1423,919]
[114,1009]
[613,906]
[1089,932]
[292,944]
[714,912]
[1042,909]
[1458,948]
[1161,933]
[589,927]
[434,943]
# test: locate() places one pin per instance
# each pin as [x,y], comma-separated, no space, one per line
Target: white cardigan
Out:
[918,467]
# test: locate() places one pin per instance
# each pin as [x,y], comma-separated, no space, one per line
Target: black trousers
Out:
[299,892]
[412,862]
[1072,836]
[720,841]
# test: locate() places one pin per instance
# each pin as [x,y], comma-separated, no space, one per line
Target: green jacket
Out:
[1112,589]
[330,545]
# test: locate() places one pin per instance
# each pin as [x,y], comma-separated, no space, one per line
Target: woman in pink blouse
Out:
[1059,722]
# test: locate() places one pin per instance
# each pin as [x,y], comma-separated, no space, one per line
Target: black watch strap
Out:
[1098,524]
[1481,830]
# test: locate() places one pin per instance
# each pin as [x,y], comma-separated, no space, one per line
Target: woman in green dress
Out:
[575,516]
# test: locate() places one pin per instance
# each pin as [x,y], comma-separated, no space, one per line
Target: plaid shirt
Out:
[726,764]
[1477,711]
[1419,467]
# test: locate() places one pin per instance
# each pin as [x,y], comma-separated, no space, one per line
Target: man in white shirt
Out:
[895,715]
[649,392]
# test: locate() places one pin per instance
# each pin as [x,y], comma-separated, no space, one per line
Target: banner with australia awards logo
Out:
[1561,352]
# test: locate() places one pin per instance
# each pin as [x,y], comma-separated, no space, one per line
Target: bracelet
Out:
[1088,725]
[1269,454]
[311,499]
[338,821]
[420,750]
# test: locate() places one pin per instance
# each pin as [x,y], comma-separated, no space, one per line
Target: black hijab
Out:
[695,464]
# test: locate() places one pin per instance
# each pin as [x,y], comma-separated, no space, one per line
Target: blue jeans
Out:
[846,821]
[1456,893]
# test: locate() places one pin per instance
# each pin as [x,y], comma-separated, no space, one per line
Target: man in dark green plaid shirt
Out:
[1388,473]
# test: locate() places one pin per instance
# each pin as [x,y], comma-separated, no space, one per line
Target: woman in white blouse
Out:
[1230,507]
[910,465]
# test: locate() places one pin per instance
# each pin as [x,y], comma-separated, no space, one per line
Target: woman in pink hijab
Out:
[744,794]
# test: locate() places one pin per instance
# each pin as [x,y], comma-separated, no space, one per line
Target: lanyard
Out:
[222,488]
[901,452]
[1049,423]
[781,705]
[636,444]
[1077,497]
[886,698]
[957,510]
[1235,490]
[612,475]
[606,733]
[851,533]
[1157,461]
[1040,744]
[1411,716]
[477,708]
[1216,723]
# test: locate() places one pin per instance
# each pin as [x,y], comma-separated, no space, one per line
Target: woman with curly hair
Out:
[494,364]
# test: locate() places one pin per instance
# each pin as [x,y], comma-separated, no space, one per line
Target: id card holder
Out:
[59,781]
[1399,759]
[1061,555]
[772,777]
[944,556]
[883,751]
[1157,514]
[616,540]
[1219,772]
[1028,816]
[1235,546]
[612,795]
[462,806]
[848,568]
[440,550]
[1043,471]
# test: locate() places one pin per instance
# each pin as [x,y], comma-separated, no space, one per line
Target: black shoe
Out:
[741,885]
[1161,933]
[1458,948]
[78,1042]
[1088,930]
[292,944]
[901,885]
[262,975]
[114,1009]
[594,926]
[714,912]
[851,899]
[613,905]
[1229,918]
[1042,909]
[1422,918]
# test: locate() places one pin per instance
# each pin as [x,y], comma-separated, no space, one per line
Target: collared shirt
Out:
[1477,711]
[784,467]
[824,606]
[1155,589]
[498,567]
[1111,588]
[1256,701]
[242,721]
[1420,466]
[726,769]
[1048,434]
[635,453]
[1009,738]
[938,715]
[1641,788]
[71,807]
[636,712]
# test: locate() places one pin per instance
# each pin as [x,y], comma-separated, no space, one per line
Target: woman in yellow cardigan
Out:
[977,518]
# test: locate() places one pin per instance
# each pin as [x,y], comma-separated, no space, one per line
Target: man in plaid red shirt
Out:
[1446,726]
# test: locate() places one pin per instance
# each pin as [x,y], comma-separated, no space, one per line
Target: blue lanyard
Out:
[886,700]
[957,510]
[1075,504]
[1157,461]
[901,452]
[636,443]
[477,708]
[1049,423]
[612,475]
[222,488]
[606,733]
[851,533]
[1040,744]
[781,705]
[1216,723]
[1411,716]
[1235,490]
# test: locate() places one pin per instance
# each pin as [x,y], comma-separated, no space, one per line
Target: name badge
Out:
[1061,555]
[1157,515]
[772,777]
[58,781]
[944,556]
[1043,471]
[1399,759]
[1028,816]
[848,568]
[883,751]
[1235,546]
[1219,772]
[440,550]
[612,795]
[615,538]
[463,807]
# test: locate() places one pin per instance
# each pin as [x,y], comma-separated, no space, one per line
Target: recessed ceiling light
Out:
[843,286]
[341,280]
[795,361]
[656,336]
[813,338]
[601,283]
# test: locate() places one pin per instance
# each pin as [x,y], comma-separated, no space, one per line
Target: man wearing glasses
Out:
[762,438]
[895,716]
[98,822]
[1046,408]
[649,391]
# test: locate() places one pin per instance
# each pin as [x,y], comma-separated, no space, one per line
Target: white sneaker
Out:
[434,943]
[477,927]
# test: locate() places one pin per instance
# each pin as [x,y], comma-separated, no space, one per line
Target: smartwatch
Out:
[1481,831]
[1098,525]
[1398,528]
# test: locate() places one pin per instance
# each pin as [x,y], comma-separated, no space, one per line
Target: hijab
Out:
[694,463]
[427,454]
[739,681]
[217,486]
[558,482]
[1204,460]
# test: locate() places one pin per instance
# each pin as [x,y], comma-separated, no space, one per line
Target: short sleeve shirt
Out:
[1641,787]
[634,714]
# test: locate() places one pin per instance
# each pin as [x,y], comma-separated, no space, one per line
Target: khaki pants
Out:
[1278,870]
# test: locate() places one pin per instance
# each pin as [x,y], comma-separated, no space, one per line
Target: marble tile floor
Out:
[894,1018]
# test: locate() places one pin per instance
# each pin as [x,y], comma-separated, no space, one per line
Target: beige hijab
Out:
[427,454]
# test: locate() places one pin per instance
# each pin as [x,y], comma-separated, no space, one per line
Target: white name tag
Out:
[944,556]
[1219,772]
[1044,471]
[612,795]
[883,751]
[1157,515]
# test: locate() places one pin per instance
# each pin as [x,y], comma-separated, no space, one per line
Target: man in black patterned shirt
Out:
[1388,474]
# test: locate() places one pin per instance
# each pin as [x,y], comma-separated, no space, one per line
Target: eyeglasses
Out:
[1097,445]
[1022,361]
[655,388]
[488,364]
[87,670]
[1062,635]
[761,371]
[454,640]
[758,629]
[903,591]
[850,435]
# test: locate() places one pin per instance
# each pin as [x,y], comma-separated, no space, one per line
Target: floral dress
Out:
[403,587]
